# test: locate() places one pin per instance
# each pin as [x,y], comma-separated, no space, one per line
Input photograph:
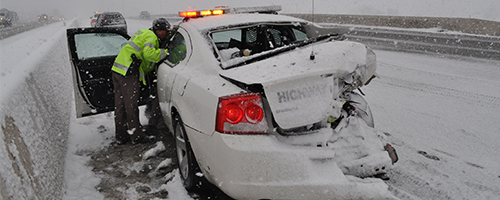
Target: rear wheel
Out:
[188,167]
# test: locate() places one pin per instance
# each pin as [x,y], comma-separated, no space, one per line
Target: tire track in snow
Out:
[417,177]
[408,186]
[462,95]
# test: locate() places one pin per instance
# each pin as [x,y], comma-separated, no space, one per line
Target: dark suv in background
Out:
[111,20]
[145,14]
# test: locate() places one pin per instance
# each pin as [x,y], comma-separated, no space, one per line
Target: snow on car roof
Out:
[212,22]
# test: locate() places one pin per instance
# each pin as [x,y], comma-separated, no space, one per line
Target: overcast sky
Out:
[482,9]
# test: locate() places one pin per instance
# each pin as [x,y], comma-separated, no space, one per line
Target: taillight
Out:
[241,114]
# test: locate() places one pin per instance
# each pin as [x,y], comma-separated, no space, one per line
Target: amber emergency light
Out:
[194,14]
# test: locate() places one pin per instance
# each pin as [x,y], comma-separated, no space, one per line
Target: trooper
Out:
[135,60]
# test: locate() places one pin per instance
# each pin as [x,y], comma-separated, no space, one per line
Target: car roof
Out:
[111,13]
[214,22]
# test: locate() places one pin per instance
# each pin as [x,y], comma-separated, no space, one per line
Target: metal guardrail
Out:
[476,46]
[6,32]
[463,25]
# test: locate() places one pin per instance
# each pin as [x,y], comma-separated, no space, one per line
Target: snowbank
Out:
[36,99]
[463,25]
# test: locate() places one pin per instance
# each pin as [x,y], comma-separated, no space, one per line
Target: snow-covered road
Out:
[441,114]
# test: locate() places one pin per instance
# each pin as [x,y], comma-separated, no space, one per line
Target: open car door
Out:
[92,54]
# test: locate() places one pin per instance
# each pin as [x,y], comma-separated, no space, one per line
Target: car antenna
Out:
[312,56]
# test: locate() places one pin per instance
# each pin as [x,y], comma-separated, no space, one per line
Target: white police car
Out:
[263,106]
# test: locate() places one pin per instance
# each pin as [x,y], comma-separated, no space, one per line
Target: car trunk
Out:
[300,91]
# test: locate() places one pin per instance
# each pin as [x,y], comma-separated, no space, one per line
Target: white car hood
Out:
[301,91]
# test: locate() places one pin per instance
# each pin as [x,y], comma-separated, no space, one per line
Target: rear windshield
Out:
[234,45]
[112,16]
[113,19]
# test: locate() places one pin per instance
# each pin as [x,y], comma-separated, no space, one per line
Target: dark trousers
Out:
[127,91]
[153,112]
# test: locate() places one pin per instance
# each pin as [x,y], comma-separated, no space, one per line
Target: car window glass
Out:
[176,49]
[299,35]
[251,40]
[228,42]
[94,45]
[223,39]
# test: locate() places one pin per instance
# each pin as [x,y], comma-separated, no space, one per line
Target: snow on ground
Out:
[441,114]
[95,132]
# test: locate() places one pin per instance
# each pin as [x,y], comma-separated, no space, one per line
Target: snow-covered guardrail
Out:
[19,28]
[428,41]
[449,36]
[36,103]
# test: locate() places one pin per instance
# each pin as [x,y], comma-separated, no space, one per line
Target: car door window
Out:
[176,49]
[299,35]
[94,45]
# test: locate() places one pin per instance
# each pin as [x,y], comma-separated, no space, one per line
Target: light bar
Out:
[220,10]
[194,13]
[257,9]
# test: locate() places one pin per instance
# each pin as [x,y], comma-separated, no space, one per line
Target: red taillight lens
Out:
[254,114]
[233,114]
[241,114]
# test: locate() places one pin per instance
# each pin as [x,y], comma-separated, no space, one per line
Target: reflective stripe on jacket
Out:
[145,45]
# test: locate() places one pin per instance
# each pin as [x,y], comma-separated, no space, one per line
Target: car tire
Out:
[188,166]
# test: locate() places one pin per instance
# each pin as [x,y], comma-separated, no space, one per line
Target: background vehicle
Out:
[43,18]
[93,19]
[144,14]
[111,20]
[7,17]
[260,113]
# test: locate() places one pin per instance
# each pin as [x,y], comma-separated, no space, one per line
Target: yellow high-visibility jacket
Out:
[145,45]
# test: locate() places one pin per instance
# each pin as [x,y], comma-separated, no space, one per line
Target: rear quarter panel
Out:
[202,86]
[196,98]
